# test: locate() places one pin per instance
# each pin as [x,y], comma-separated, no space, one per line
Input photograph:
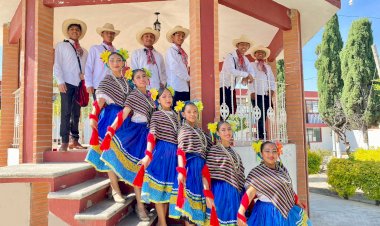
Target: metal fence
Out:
[246,117]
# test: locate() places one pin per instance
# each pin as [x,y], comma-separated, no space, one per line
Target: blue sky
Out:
[347,14]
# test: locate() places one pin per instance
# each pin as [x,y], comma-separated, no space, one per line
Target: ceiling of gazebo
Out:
[131,17]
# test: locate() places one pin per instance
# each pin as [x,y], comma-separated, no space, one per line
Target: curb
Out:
[358,197]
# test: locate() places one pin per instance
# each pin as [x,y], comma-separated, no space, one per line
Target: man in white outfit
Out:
[236,65]
[262,90]
[95,69]
[177,64]
[149,58]
[69,61]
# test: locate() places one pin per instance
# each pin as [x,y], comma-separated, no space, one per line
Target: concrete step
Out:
[70,201]
[106,212]
[82,190]
[133,220]
[59,175]
[75,155]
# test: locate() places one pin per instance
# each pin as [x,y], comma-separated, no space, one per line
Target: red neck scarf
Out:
[240,59]
[110,46]
[149,55]
[261,66]
[78,48]
[183,55]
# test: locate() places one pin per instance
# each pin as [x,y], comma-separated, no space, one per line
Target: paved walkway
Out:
[331,211]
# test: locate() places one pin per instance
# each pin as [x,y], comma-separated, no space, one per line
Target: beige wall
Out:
[15,203]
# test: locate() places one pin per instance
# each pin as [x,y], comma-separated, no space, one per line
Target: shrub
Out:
[341,175]
[367,155]
[368,179]
[314,161]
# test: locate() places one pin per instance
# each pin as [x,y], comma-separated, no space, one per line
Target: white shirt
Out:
[139,60]
[66,68]
[230,69]
[263,82]
[177,72]
[95,68]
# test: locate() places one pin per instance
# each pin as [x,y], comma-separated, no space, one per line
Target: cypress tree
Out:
[330,83]
[360,101]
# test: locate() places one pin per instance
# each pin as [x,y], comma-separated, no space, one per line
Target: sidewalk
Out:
[318,184]
[332,211]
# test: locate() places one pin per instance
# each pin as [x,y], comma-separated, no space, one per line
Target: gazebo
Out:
[28,49]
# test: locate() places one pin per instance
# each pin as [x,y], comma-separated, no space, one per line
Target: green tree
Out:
[330,83]
[360,101]
[280,76]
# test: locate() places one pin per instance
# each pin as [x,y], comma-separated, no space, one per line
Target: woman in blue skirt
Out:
[125,141]
[277,203]
[160,160]
[188,200]
[227,174]
[111,95]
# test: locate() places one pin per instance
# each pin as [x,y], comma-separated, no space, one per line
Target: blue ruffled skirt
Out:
[160,174]
[194,208]
[227,202]
[127,148]
[106,118]
[265,213]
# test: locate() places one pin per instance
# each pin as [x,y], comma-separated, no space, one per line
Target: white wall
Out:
[15,203]
[326,143]
[355,137]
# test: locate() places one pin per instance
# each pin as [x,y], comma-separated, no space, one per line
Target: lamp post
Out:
[157,24]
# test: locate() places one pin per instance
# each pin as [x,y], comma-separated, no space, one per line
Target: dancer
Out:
[160,160]
[125,143]
[111,95]
[277,202]
[192,192]
[227,174]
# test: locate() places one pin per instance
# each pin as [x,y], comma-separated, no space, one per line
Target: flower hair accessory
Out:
[124,53]
[104,56]
[171,90]
[212,127]
[147,72]
[256,145]
[279,148]
[199,105]
[153,94]
[179,106]
[128,74]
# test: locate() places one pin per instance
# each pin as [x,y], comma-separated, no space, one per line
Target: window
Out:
[313,135]
[312,106]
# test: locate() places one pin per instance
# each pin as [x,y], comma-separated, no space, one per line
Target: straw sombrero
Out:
[176,29]
[107,27]
[262,48]
[147,30]
[68,22]
[243,38]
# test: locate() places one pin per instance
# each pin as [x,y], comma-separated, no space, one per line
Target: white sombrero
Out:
[177,28]
[262,48]
[147,30]
[243,38]
[107,27]
[69,22]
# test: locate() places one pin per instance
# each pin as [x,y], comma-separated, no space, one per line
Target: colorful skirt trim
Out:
[127,148]
[265,213]
[160,174]
[106,118]
[194,208]
[227,202]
